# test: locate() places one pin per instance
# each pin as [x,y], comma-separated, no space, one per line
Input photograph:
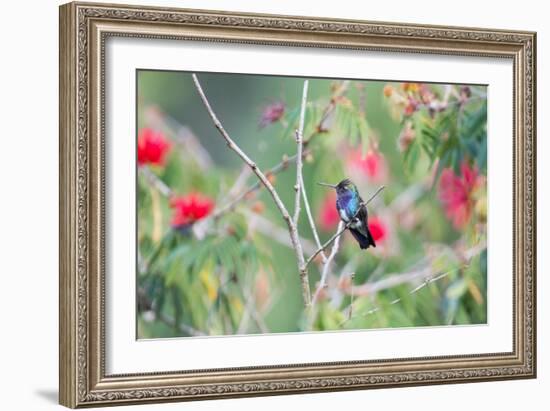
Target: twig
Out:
[238,185]
[164,318]
[274,231]
[183,135]
[169,321]
[299,160]
[437,105]
[340,232]
[302,266]
[155,181]
[301,179]
[328,110]
[393,280]
[304,278]
[326,265]
[187,137]
[397,279]
[283,165]
[250,312]
[233,146]
[426,281]
[312,221]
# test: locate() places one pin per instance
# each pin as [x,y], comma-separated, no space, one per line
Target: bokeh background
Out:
[205,268]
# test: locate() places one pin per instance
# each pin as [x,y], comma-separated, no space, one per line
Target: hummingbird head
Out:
[342,187]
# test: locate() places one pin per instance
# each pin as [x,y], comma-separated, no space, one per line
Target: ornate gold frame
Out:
[83,30]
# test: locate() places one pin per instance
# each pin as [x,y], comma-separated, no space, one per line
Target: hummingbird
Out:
[348,204]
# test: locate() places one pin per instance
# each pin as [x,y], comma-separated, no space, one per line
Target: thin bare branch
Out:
[329,109]
[341,231]
[155,181]
[304,278]
[312,221]
[182,327]
[299,154]
[150,314]
[326,265]
[233,146]
[273,231]
[424,275]
[300,182]
[183,135]
[427,280]
[302,266]
[238,185]
[250,312]
[283,165]
[425,271]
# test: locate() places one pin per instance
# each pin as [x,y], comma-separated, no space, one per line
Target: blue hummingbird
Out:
[348,204]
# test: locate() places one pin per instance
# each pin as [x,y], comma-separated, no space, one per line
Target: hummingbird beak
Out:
[327,185]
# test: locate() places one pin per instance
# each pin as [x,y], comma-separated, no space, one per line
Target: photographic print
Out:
[270,204]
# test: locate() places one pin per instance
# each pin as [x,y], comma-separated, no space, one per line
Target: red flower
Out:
[377,228]
[456,193]
[373,164]
[190,208]
[328,215]
[152,147]
[272,113]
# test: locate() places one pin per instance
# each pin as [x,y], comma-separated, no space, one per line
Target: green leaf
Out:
[203,254]
[411,157]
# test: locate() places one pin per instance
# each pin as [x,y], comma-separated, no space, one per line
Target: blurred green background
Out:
[426,143]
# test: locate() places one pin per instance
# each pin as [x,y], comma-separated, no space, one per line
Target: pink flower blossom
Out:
[456,193]
[373,164]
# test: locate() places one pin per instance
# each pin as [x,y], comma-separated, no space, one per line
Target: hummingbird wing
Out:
[365,241]
[362,229]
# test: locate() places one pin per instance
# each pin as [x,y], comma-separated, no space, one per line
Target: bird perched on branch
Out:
[350,207]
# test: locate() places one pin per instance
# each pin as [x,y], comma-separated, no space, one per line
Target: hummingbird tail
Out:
[365,241]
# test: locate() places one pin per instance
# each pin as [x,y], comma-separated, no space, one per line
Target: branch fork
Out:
[300,195]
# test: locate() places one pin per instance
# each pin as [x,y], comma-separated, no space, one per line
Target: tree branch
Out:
[183,135]
[283,165]
[328,110]
[393,280]
[299,160]
[300,141]
[425,275]
[312,221]
[302,266]
[326,265]
[427,280]
[155,181]
[273,231]
[144,301]
[233,146]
